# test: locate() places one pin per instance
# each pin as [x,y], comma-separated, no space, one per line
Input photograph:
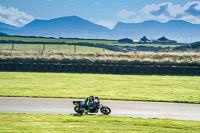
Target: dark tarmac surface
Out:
[180,111]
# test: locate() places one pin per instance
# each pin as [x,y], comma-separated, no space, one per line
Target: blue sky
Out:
[103,12]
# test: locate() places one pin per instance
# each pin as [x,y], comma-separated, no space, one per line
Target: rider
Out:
[88,103]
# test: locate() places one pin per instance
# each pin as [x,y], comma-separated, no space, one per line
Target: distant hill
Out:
[76,27]
[72,26]
[7,29]
[179,30]
[3,34]
[7,26]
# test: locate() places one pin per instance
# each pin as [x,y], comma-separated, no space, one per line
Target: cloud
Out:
[125,14]
[189,12]
[162,11]
[107,24]
[194,9]
[14,17]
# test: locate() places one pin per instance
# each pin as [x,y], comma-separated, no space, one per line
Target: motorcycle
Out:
[98,106]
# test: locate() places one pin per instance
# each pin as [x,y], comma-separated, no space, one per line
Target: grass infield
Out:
[27,123]
[55,47]
[106,86]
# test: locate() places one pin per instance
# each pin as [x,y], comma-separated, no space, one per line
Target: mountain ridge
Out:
[7,26]
[76,27]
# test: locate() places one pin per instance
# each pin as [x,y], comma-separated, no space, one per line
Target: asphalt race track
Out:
[180,111]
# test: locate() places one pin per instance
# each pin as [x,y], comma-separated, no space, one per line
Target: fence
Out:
[42,47]
[100,68]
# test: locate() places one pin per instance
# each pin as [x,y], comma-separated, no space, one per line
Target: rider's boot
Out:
[86,111]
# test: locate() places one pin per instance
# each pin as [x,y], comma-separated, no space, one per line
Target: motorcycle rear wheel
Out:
[105,110]
[78,110]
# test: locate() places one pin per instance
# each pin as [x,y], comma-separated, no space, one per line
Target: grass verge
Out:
[106,86]
[72,124]
[103,56]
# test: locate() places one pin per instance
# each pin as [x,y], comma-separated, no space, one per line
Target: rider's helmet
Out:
[92,98]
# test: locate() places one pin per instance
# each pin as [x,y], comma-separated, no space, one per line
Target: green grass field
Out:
[31,39]
[108,42]
[64,48]
[28,123]
[121,87]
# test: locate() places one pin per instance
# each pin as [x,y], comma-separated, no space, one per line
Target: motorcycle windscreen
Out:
[76,102]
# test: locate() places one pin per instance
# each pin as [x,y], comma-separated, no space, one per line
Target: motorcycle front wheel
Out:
[105,110]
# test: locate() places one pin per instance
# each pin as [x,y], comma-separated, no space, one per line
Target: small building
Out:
[164,40]
[125,40]
[144,39]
